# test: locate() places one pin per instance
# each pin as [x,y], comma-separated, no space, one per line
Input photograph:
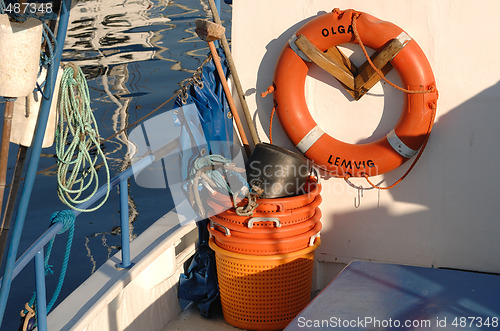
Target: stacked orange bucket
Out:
[265,261]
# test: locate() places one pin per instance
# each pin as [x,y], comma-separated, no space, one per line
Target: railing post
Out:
[124,221]
[29,179]
[41,299]
[36,250]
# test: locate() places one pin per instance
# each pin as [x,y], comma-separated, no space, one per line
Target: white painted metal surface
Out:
[141,298]
[20,44]
[445,213]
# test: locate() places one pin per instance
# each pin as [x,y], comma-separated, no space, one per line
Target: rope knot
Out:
[76,69]
[269,90]
[48,269]
[339,12]
[67,217]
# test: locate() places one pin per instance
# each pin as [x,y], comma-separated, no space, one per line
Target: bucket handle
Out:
[263,219]
[279,206]
[227,232]
[313,238]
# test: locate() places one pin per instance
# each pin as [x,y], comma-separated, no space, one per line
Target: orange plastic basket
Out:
[267,246]
[257,220]
[263,292]
[272,230]
[220,202]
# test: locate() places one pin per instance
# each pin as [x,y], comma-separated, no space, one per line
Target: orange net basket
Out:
[263,292]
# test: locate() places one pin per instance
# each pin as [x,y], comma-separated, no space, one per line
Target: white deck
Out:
[190,319]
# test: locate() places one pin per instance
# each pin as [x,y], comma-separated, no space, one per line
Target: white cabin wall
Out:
[445,213]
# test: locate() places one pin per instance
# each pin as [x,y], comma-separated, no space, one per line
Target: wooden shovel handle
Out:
[230,100]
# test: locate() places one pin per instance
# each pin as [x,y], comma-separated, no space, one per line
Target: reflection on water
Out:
[135,55]
[100,33]
[107,38]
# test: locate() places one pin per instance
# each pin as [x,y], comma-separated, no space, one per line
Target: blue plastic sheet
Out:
[212,104]
[199,283]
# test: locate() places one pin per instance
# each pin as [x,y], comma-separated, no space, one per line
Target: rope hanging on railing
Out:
[77,135]
[67,217]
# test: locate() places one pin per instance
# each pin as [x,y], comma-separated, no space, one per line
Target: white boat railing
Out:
[36,250]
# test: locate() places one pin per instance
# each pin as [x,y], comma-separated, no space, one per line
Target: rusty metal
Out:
[4,147]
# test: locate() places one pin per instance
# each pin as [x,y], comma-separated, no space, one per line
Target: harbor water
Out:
[135,55]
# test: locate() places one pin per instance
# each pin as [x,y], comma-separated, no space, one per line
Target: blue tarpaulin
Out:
[208,96]
[199,283]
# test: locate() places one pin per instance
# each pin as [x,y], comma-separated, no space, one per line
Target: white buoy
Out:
[25,115]
[20,45]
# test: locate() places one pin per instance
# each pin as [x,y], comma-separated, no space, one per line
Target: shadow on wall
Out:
[445,213]
[264,80]
[459,163]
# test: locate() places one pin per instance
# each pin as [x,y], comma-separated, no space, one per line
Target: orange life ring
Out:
[337,157]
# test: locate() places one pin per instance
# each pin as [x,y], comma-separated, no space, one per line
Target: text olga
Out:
[334,30]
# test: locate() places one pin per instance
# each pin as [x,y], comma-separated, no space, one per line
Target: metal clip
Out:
[227,232]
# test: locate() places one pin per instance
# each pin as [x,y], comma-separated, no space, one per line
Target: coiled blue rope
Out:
[67,217]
